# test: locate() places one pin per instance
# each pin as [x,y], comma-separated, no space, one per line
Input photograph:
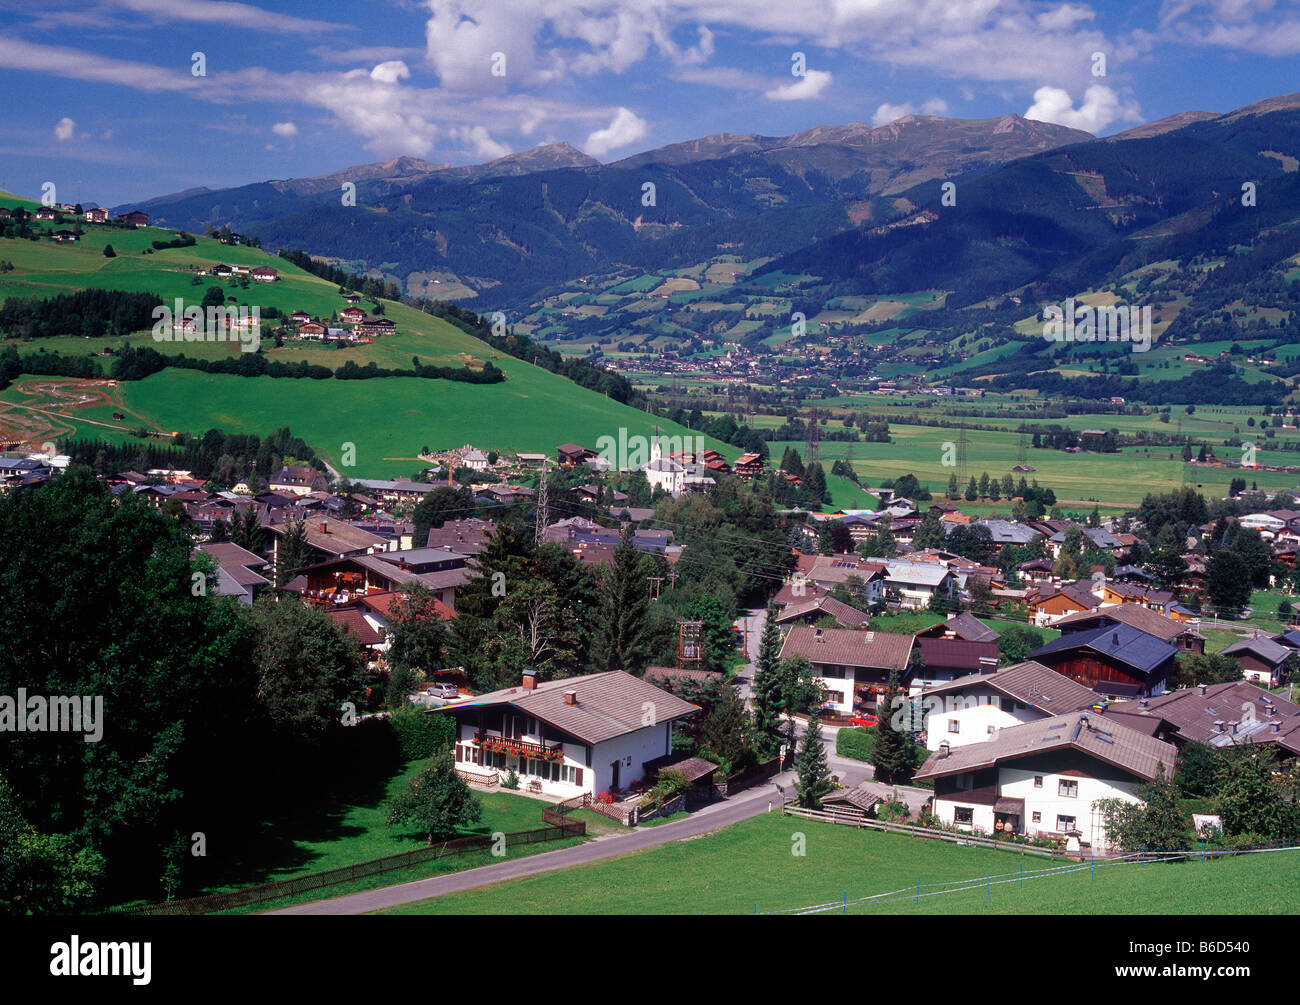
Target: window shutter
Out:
[460,753]
[579,778]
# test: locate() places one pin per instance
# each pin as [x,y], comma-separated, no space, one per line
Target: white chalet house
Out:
[1045,777]
[592,733]
[852,666]
[977,707]
[917,582]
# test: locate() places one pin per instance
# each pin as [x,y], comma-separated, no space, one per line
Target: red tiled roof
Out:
[353,623]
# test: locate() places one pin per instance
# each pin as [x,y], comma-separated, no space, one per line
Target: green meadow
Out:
[390,419]
[387,419]
[754,867]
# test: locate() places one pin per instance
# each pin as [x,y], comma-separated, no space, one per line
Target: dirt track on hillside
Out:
[48,412]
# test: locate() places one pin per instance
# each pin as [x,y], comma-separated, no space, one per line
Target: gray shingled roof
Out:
[970,628]
[1028,682]
[1193,715]
[846,647]
[1134,615]
[1088,732]
[608,704]
[849,617]
[1266,649]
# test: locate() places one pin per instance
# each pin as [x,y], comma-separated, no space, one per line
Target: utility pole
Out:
[543,515]
[690,651]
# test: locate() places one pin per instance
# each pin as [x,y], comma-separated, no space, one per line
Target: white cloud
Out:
[65,129]
[805,88]
[483,145]
[1101,106]
[626,127]
[1259,26]
[887,112]
[241,15]
[390,72]
[284,129]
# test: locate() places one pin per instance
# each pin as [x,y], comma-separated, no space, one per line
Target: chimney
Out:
[1201,688]
[1114,638]
[944,748]
[530,680]
[1083,721]
[1218,725]
[570,697]
[1145,702]
[1277,726]
[324,527]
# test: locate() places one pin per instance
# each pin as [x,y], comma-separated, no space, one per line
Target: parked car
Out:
[443,690]
[862,719]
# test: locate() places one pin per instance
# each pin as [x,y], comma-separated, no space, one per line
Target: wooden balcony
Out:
[524,748]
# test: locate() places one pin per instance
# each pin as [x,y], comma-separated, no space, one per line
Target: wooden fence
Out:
[762,772]
[840,816]
[558,827]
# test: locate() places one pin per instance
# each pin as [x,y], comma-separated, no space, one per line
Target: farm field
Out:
[705,874]
[1122,478]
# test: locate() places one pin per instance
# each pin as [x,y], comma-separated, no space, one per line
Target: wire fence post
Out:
[1022,871]
[918,891]
[846,902]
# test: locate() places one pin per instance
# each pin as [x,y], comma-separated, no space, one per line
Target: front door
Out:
[613,778]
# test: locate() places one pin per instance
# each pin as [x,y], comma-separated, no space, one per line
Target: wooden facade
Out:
[1095,670]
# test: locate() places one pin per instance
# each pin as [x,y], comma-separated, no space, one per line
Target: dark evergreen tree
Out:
[813,775]
[622,639]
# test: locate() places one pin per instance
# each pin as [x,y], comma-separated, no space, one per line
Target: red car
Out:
[863,719]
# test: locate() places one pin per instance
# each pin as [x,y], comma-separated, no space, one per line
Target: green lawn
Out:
[349,829]
[749,867]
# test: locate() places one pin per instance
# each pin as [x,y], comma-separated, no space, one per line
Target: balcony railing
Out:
[524,748]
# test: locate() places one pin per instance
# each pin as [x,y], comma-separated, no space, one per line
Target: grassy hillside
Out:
[749,867]
[389,420]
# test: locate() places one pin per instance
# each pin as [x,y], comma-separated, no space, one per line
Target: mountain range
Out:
[851,204]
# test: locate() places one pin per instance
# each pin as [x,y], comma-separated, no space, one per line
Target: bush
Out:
[420,733]
[671,784]
[893,810]
[512,780]
[858,743]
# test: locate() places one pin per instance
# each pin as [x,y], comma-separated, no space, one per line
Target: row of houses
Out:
[1030,751]
[258,273]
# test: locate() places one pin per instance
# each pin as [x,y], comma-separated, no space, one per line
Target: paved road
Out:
[751,623]
[748,804]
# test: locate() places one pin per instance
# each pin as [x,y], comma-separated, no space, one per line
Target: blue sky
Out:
[103,94]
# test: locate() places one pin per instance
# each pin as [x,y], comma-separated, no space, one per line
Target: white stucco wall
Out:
[632,749]
[974,711]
